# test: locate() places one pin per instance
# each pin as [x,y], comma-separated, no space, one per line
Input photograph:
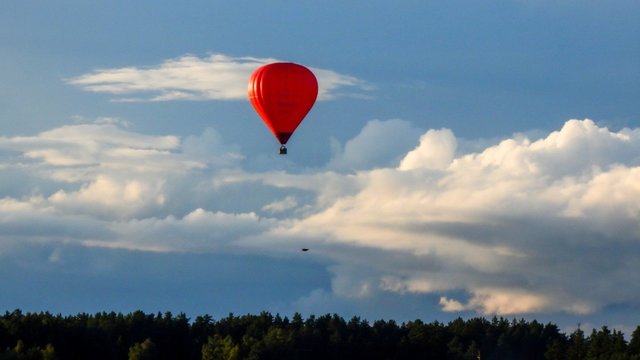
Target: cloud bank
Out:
[523,226]
[189,77]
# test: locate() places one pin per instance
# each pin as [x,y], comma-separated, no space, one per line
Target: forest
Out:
[139,335]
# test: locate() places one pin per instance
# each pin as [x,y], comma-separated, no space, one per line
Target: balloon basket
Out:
[283,150]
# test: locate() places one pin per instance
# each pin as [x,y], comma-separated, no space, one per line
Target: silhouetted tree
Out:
[218,348]
[633,349]
[577,345]
[263,336]
[143,351]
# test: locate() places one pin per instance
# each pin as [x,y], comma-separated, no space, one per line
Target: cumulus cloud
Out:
[120,189]
[197,231]
[520,226]
[379,143]
[110,196]
[88,145]
[189,77]
[104,170]
[436,151]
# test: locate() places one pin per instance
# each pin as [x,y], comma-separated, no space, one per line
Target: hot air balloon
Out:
[282,94]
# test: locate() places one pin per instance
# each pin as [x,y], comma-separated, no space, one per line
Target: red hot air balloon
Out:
[282,94]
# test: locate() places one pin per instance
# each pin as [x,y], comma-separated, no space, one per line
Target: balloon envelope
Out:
[282,94]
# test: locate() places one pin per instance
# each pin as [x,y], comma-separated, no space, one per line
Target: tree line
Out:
[139,335]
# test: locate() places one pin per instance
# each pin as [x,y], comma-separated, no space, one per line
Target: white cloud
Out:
[521,221]
[499,301]
[379,143]
[110,196]
[287,203]
[513,228]
[189,77]
[449,305]
[333,85]
[197,231]
[92,145]
[111,172]
[436,151]
[512,301]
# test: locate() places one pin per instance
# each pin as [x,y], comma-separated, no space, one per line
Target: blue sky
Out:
[464,158]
